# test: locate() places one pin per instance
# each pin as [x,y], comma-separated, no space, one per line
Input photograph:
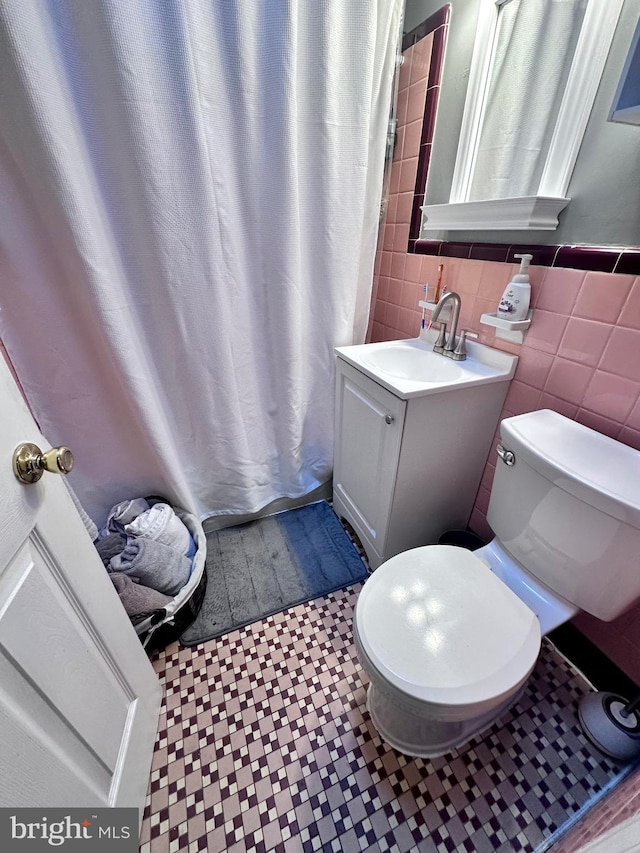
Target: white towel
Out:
[153,564]
[161,524]
[124,513]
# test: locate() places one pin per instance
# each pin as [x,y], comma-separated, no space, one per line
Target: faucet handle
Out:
[442,337]
[460,352]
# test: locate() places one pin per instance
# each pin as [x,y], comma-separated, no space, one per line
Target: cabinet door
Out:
[369,423]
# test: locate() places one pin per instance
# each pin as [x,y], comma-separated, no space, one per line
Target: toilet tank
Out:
[568,510]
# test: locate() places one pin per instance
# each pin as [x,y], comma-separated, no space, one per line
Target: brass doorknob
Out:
[30,463]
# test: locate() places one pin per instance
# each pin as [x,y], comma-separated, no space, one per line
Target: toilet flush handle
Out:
[506,455]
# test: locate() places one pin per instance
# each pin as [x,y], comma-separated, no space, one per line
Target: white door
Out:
[79,699]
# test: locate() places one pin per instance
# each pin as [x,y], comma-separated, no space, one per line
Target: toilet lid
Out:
[440,626]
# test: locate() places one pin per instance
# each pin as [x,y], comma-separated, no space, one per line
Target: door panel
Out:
[79,700]
[65,652]
[55,764]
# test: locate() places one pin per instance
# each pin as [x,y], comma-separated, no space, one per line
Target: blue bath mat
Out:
[266,566]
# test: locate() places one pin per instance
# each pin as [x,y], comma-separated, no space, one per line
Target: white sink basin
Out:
[411,369]
[410,362]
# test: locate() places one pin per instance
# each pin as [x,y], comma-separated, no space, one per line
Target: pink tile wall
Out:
[581,356]
[393,263]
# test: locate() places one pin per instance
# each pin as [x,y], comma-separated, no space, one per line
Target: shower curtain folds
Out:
[191,193]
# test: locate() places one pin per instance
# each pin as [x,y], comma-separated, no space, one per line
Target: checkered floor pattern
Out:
[265,743]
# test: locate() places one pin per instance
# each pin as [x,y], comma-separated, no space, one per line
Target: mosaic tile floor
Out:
[265,744]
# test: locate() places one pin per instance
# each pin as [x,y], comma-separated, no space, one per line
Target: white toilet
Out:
[448,637]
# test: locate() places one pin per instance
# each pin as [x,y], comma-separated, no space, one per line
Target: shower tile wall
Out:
[581,356]
[392,260]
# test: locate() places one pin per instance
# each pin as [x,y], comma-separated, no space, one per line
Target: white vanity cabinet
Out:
[406,470]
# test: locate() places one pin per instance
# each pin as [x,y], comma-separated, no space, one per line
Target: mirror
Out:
[604,207]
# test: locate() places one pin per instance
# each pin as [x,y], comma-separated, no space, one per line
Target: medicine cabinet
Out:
[533,79]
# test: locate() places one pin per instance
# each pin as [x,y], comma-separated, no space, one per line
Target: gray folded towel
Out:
[110,545]
[161,524]
[124,513]
[153,564]
[136,598]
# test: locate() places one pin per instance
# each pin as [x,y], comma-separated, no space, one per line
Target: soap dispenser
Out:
[514,304]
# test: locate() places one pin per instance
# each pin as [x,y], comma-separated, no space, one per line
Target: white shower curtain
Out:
[190,191]
[533,55]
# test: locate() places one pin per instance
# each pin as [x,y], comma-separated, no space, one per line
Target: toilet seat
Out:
[441,628]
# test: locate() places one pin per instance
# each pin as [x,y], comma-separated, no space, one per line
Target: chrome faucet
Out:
[450,345]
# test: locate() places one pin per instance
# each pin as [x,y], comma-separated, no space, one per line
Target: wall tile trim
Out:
[590,258]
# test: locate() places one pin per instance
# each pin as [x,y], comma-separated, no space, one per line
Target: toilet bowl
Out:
[447,646]
[449,638]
